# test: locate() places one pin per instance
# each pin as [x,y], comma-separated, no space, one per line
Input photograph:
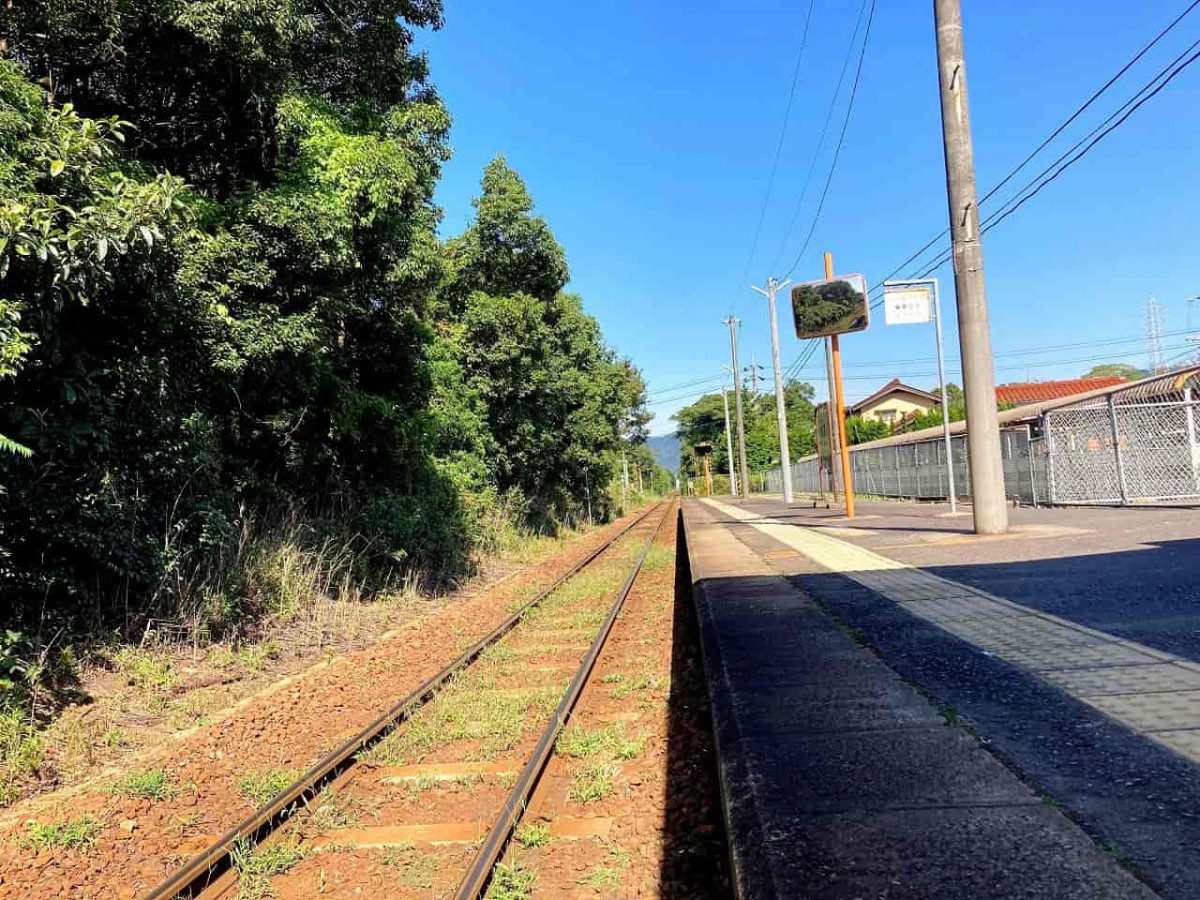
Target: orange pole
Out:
[840,399]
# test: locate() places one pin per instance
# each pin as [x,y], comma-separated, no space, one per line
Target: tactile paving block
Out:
[1127,679]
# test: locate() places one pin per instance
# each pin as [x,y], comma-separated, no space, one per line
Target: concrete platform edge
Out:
[743,826]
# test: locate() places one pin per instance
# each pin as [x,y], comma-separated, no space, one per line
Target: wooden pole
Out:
[839,394]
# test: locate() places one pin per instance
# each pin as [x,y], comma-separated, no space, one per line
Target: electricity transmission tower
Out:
[753,375]
[1154,328]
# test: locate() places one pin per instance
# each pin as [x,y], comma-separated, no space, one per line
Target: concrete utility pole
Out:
[624,482]
[785,456]
[979,380]
[729,444]
[743,469]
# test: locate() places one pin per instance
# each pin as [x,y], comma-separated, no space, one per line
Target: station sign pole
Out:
[915,302]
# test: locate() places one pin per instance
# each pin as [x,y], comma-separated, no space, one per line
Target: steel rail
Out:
[476,880]
[197,873]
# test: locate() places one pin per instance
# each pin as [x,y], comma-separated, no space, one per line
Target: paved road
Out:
[1132,573]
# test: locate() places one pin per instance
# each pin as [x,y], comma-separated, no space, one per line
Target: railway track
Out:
[452,765]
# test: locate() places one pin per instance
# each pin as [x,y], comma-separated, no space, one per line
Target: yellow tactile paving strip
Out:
[1152,692]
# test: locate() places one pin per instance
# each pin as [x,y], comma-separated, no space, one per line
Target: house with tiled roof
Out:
[1038,391]
[894,403]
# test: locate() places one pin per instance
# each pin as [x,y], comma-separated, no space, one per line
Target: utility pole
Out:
[785,456]
[624,482]
[743,469]
[729,444]
[979,379]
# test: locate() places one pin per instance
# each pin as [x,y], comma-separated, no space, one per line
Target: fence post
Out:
[1189,413]
[1116,439]
[1048,440]
[1032,470]
[937,462]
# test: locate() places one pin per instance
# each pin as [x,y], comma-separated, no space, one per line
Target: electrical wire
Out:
[812,165]
[1035,185]
[686,384]
[787,115]
[1046,176]
[862,54]
[1074,115]
[1027,351]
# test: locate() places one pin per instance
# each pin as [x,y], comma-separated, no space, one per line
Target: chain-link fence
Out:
[1126,449]
[918,471]
[1137,443]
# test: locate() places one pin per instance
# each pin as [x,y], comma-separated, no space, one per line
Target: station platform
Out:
[839,778]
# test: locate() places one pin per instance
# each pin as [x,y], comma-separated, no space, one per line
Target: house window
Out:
[887,415]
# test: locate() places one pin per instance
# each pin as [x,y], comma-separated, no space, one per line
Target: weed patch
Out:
[79,834]
[580,743]
[257,865]
[145,670]
[533,834]
[259,787]
[413,869]
[607,876]
[593,782]
[21,751]
[153,784]
[512,881]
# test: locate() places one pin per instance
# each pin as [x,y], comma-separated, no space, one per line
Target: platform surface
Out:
[840,779]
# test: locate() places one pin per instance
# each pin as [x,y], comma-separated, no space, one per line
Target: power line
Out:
[1034,187]
[1107,131]
[913,376]
[1092,99]
[1026,351]
[1075,115]
[812,165]
[862,55]
[685,384]
[787,115]
[1018,366]
[802,360]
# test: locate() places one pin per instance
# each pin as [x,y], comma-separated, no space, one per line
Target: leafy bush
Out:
[238,368]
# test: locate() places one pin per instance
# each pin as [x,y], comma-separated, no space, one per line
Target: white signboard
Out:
[907,305]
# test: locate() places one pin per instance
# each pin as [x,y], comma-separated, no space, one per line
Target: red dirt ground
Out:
[287,726]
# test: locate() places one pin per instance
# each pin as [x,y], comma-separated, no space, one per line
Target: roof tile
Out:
[1037,391]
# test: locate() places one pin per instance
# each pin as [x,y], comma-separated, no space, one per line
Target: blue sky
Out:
[646,133]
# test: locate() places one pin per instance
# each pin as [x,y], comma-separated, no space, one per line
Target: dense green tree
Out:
[860,430]
[223,301]
[704,420]
[1122,370]
[559,402]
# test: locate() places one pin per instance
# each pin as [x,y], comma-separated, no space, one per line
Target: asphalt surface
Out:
[1130,572]
[1135,573]
[840,780]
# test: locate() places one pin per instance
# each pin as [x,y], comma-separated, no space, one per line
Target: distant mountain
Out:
[665,448]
